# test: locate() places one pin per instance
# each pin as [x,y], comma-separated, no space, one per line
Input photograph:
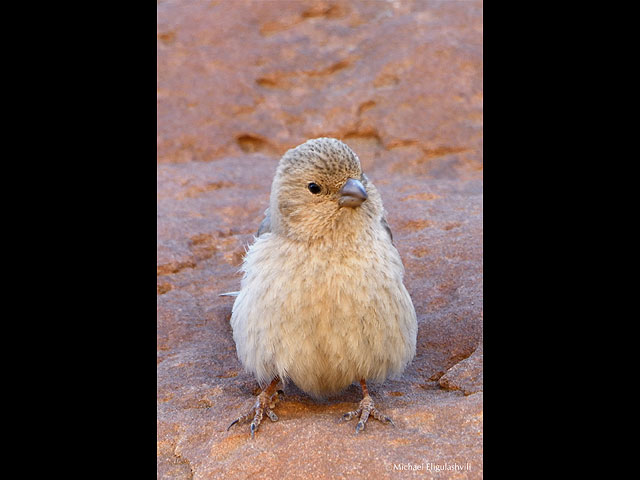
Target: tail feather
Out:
[229,294]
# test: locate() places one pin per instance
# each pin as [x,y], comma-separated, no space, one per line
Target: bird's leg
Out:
[265,402]
[365,409]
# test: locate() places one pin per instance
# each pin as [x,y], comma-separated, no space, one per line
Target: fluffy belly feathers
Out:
[330,320]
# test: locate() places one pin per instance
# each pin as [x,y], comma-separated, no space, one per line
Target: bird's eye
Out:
[314,188]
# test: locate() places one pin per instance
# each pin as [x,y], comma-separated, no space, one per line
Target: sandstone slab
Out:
[238,84]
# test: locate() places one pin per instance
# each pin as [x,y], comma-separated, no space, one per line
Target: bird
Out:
[322,301]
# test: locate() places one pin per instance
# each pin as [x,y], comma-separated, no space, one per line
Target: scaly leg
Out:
[265,402]
[365,409]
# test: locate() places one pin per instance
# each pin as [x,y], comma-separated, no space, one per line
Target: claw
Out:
[233,423]
[387,420]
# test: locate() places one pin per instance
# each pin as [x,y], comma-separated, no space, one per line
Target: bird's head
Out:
[319,190]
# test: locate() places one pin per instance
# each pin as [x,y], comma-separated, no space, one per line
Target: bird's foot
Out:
[365,409]
[265,403]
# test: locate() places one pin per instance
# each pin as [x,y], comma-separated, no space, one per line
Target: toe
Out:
[272,416]
[363,420]
[381,417]
[349,415]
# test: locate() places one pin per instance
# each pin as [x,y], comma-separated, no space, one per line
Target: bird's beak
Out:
[352,194]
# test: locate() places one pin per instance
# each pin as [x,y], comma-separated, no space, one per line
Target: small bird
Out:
[322,303]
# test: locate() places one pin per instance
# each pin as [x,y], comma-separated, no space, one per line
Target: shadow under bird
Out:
[322,301]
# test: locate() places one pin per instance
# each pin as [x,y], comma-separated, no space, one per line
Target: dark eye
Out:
[314,188]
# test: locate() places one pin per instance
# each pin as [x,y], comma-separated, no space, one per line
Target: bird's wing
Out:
[265,225]
[387,228]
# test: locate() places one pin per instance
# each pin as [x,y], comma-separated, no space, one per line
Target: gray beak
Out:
[352,194]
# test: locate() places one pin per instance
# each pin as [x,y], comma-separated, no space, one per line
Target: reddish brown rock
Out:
[238,84]
[467,375]
[251,76]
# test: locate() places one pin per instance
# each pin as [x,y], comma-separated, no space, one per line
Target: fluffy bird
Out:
[322,303]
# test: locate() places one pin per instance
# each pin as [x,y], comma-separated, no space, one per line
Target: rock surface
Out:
[238,84]
[467,375]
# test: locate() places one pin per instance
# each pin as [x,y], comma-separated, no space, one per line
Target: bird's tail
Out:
[229,294]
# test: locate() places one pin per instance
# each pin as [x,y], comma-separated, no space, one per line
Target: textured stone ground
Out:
[238,84]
